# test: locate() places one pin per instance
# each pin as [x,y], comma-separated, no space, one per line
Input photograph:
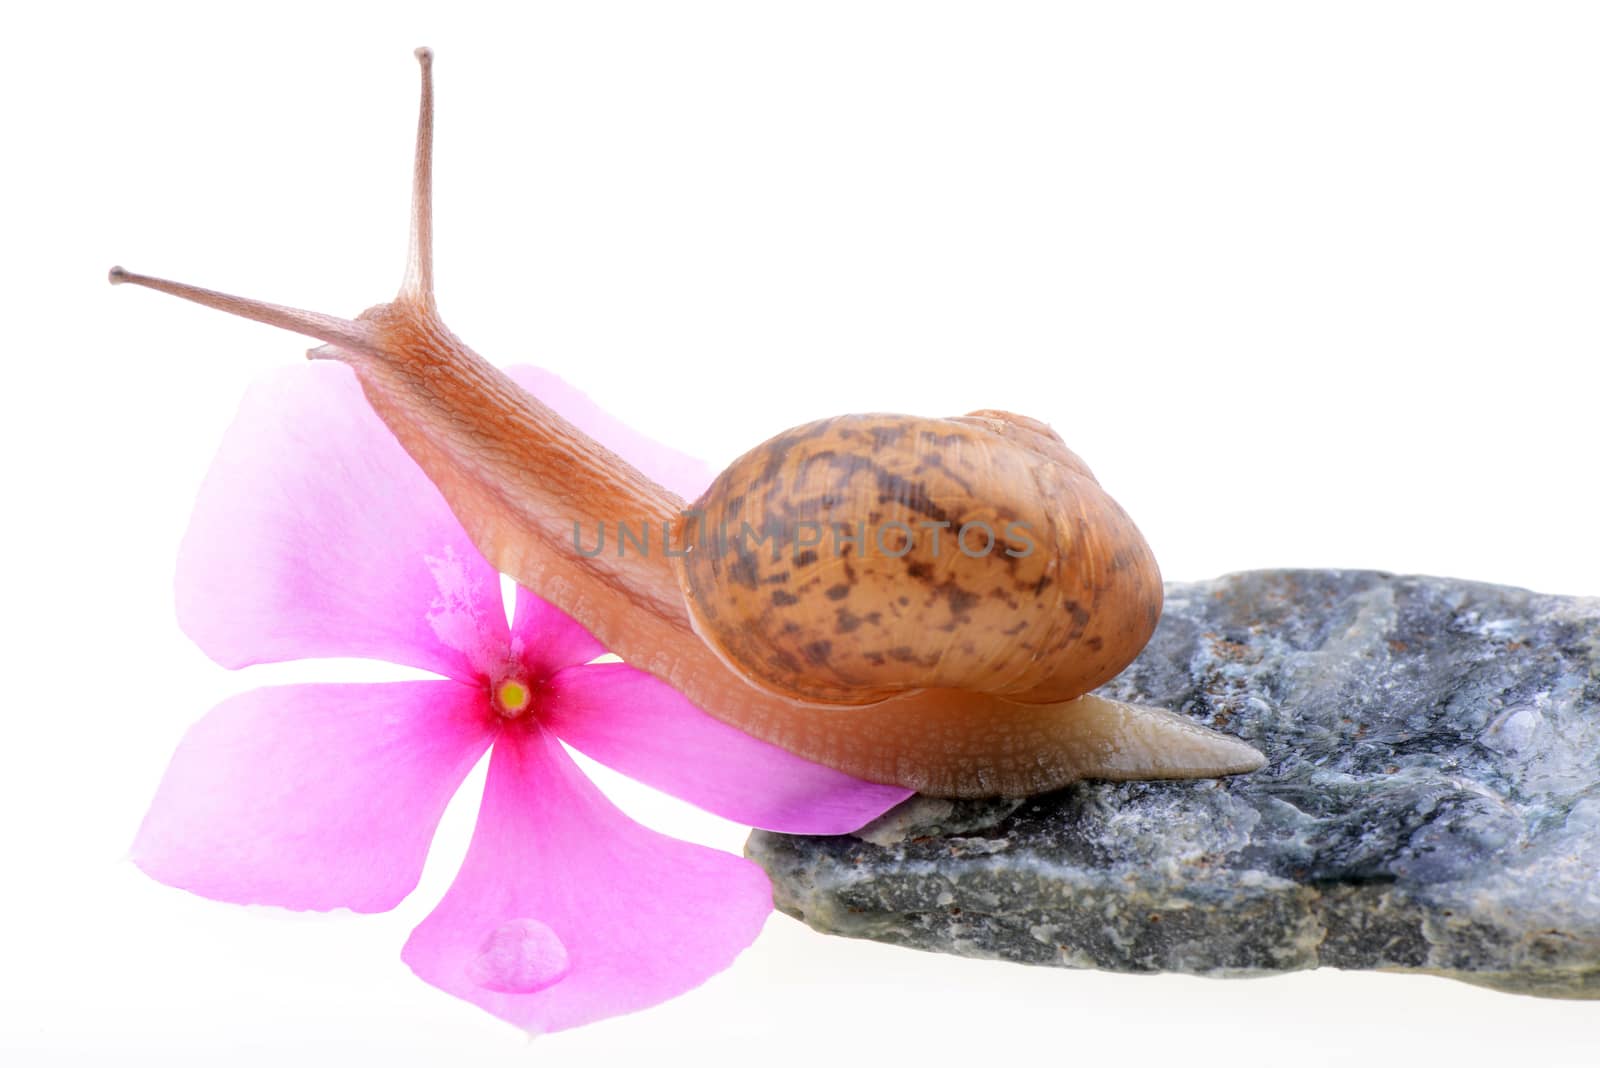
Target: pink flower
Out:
[315,535]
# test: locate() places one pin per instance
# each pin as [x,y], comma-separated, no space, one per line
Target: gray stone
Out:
[1432,803]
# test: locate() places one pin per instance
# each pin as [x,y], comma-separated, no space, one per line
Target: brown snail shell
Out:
[854,558]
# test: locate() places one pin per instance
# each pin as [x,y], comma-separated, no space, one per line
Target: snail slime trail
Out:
[952,674]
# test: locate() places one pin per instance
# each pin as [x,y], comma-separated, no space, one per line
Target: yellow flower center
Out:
[513,696]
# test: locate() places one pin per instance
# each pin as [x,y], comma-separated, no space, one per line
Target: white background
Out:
[1305,284]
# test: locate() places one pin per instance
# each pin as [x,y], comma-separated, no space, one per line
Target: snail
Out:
[850,617]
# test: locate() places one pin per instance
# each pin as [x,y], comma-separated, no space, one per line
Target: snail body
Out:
[891,648]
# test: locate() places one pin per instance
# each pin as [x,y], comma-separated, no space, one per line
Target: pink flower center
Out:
[512,696]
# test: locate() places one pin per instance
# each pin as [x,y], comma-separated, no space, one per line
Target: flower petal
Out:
[680,473]
[566,911]
[546,638]
[313,797]
[315,534]
[640,726]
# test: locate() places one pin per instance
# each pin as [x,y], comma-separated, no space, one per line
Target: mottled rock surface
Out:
[1432,803]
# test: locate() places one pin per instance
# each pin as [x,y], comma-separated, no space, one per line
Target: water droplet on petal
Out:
[519,957]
